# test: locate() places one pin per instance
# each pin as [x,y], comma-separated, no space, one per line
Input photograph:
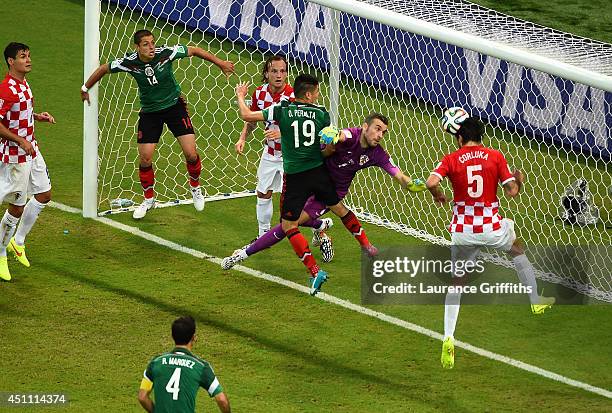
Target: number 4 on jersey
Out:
[173,384]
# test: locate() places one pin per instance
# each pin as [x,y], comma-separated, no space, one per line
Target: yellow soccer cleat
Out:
[18,251]
[4,271]
[545,303]
[448,353]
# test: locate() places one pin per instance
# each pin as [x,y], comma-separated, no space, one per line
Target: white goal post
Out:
[545,95]
[511,52]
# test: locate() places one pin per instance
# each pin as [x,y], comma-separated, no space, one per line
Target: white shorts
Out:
[466,246]
[502,239]
[269,176]
[18,180]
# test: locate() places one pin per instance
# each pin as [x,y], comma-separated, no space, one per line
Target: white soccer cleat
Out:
[142,209]
[238,256]
[326,247]
[198,198]
[317,233]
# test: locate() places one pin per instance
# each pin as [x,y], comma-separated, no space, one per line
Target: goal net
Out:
[555,128]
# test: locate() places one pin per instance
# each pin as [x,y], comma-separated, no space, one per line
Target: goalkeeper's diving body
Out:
[357,148]
[161,103]
[301,123]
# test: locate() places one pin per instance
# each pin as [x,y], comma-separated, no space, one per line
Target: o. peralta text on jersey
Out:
[299,113]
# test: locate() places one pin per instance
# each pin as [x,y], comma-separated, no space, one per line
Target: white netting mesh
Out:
[373,79]
[471,18]
[210,99]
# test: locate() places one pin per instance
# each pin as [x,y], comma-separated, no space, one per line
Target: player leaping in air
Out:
[161,102]
[300,123]
[357,148]
[474,172]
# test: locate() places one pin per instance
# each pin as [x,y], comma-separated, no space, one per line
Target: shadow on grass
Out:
[325,364]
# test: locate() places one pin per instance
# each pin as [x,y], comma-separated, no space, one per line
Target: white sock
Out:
[264,214]
[7,229]
[242,254]
[526,274]
[451,313]
[28,218]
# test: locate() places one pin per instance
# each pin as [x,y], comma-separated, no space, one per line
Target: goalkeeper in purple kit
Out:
[357,148]
[301,122]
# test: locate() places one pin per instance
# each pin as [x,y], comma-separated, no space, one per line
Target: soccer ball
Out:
[452,119]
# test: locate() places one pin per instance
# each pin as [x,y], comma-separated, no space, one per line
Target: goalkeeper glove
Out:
[329,135]
[416,185]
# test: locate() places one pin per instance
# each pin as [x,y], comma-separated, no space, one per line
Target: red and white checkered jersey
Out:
[17,115]
[262,98]
[474,173]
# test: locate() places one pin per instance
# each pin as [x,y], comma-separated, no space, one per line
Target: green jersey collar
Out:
[182,350]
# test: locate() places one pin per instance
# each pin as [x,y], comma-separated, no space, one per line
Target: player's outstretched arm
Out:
[512,188]
[433,185]
[412,185]
[245,113]
[226,66]
[95,77]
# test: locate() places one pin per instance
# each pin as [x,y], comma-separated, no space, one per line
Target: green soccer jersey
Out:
[176,377]
[157,86]
[299,124]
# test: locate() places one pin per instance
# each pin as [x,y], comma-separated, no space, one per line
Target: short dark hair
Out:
[471,129]
[12,49]
[268,63]
[304,83]
[140,34]
[379,116]
[183,329]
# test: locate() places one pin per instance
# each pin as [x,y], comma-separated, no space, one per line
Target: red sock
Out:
[351,223]
[194,169]
[300,246]
[147,179]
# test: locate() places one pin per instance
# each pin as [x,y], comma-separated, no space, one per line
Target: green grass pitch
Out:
[97,303]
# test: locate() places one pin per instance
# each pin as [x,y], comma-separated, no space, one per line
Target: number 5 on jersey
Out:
[472,178]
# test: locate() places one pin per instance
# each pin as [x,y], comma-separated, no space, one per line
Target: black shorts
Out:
[151,124]
[297,188]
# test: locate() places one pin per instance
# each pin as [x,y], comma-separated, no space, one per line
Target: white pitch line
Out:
[345,304]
